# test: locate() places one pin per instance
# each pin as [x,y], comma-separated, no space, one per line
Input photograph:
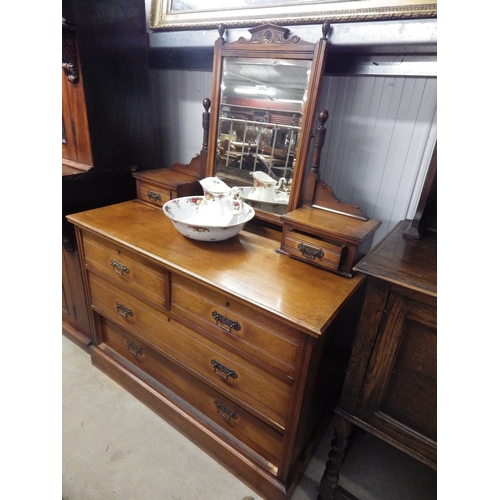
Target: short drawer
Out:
[255,333]
[153,194]
[268,397]
[325,254]
[223,412]
[125,268]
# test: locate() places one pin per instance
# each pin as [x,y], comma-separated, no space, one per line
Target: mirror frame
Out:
[270,41]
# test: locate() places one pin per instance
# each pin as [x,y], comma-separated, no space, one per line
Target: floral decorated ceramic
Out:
[265,187]
[278,206]
[185,216]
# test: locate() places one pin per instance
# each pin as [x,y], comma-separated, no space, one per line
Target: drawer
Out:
[221,411]
[125,268]
[251,332]
[266,396]
[153,194]
[325,254]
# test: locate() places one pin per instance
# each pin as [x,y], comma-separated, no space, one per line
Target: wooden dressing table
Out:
[239,347]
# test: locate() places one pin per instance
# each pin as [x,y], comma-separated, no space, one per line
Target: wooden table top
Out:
[247,266]
[405,261]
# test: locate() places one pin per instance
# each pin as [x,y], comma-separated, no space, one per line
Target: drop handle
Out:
[154,196]
[223,371]
[124,311]
[133,349]
[224,412]
[225,323]
[119,268]
[310,252]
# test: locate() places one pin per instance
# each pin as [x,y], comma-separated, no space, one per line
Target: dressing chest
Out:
[239,347]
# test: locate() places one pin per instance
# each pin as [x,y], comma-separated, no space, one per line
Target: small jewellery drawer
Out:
[264,440]
[254,332]
[125,268]
[313,250]
[228,372]
[153,194]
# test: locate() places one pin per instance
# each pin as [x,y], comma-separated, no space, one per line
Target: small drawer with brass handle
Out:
[130,271]
[326,254]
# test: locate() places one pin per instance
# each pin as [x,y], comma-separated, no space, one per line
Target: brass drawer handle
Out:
[154,196]
[123,311]
[225,323]
[135,350]
[224,412]
[119,268]
[310,252]
[223,371]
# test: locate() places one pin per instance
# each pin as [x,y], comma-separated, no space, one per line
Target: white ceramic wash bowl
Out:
[278,206]
[184,214]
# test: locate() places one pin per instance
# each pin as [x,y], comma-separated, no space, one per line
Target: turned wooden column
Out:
[330,479]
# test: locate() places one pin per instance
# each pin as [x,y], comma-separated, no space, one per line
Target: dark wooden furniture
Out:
[241,348]
[107,125]
[390,386]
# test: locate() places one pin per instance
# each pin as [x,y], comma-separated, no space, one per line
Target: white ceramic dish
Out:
[278,206]
[183,213]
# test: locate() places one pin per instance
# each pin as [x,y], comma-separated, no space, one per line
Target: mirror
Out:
[264,97]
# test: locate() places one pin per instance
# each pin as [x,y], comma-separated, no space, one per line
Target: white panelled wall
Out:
[380,135]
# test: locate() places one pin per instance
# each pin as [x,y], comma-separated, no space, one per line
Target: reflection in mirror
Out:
[260,119]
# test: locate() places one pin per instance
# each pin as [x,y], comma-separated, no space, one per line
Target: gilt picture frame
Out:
[200,14]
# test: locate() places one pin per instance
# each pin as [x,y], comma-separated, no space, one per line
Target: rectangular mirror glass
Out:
[259,124]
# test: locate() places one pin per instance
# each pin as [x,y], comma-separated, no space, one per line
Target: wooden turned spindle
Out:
[206,123]
[319,142]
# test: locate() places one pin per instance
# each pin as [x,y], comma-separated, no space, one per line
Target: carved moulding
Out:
[165,15]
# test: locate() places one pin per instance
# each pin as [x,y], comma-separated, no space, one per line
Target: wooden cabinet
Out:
[107,124]
[239,347]
[391,383]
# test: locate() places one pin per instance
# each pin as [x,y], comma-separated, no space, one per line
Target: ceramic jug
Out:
[220,203]
[264,186]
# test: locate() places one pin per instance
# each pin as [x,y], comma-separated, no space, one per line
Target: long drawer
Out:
[257,334]
[266,396]
[261,438]
[126,269]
